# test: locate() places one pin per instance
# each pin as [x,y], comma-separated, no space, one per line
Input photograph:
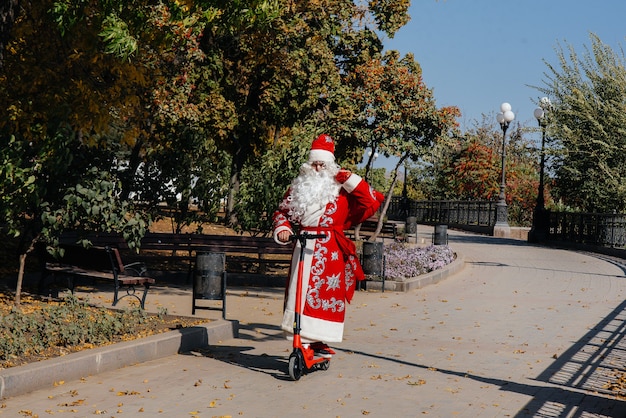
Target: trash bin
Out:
[210,280]
[373,260]
[440,237]
[410,228]
[411,225]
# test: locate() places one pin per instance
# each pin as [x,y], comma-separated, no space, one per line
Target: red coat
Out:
[331,265]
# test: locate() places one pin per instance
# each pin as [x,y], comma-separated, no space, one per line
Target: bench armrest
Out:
[136,269]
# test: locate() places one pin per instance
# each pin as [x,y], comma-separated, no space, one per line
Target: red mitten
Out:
[342,176]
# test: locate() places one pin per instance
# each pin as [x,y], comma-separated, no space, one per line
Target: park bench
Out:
[253,260]
[389,230]
[99,263]
[247,257]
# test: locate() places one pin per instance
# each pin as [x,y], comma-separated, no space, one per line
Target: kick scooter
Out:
[303,358]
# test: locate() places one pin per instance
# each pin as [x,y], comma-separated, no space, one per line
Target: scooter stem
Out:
[298,309]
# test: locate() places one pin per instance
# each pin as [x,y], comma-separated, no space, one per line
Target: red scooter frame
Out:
[303,359]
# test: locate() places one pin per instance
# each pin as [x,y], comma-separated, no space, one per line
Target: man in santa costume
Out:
[323,199]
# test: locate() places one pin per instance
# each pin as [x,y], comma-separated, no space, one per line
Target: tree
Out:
[61,73]
[53,185]
[396,114]
[67,125]
[268,68]
[265,181]
[280,71]
[472,169]
[98,70]
[133,83]
[587,126]
[189,175]
[419,183]
[473,173]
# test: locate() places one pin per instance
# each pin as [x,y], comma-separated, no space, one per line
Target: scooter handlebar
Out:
[303,236]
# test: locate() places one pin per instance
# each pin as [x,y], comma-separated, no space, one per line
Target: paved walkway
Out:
[520,331]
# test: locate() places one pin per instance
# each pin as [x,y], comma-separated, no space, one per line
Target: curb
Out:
[422,280]
[17,381]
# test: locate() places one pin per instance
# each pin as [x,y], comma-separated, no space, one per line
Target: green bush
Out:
[69,324]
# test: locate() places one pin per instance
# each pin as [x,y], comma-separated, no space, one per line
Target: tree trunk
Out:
[357,232]
[20,274]
[239,159]
[233,191]
[128,177]
[20,280]
[233,185]
[383,212]
[387,202]
[368,169]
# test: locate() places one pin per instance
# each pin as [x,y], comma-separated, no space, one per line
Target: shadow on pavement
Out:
[259,332]
[534,268]
[595,363]
[547,401]
[256,334]
[485,239]
[616,261]
[577,383]
[275,366]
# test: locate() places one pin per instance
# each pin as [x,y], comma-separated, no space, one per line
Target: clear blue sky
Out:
[476,54]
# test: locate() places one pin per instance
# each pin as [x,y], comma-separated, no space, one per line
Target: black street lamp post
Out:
[405,194]
[539,230]
[501,228]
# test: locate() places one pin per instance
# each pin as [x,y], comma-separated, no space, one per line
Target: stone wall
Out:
[520,233]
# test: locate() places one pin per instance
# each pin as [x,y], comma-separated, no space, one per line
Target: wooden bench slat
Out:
[370,225]
[236,247]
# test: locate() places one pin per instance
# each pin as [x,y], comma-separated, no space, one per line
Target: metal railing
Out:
[601,229]
[477,216]
[597,229]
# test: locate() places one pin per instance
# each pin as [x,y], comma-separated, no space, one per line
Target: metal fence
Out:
[598,229]
[605,230]
[478,216]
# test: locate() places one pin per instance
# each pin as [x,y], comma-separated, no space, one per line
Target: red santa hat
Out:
[322,149]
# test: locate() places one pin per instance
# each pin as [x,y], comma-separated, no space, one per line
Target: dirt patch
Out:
[167,226]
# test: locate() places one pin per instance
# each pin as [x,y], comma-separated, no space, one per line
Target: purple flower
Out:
[403,261]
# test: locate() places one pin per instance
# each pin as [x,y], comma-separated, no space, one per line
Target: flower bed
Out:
[404,261]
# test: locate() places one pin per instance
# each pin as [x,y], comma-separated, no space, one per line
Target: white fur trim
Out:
[320,155]
[327,331]
[353,181]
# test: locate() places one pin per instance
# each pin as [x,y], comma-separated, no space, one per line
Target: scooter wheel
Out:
[324,365]
[296,365]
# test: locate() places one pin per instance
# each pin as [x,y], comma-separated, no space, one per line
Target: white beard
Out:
[311,190]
